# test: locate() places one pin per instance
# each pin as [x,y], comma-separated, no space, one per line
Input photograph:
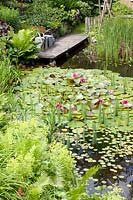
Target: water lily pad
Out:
[75,124]
[78,130]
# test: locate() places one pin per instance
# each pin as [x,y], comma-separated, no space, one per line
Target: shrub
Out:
[41,171]
[9,3]
[121,9]
[47,17]
[21,46]
[10,16]
[85,9]
[68,4]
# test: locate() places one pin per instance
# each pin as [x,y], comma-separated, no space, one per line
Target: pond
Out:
[117,168]
[90,111]
[86,60]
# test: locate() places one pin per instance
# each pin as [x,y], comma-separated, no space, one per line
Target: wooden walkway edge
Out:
[63,46]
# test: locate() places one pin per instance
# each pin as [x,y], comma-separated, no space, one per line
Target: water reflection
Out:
[82,60]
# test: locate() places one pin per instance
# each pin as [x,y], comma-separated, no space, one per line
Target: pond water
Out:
[120,169]
[93,115]
[119,172]
[86,61]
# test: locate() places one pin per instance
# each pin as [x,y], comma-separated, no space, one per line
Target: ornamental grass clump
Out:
[9,75]
[115,41]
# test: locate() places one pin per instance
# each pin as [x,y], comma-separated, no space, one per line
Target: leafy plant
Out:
[9,75]
[9,3]
[68,4]
[33,165]
[85,9]
[113,195]
[10,16]
[79,192]
[21,46]
[114,41]
[120,9]
[48,17]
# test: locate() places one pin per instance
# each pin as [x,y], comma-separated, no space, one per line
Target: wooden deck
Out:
[63,46]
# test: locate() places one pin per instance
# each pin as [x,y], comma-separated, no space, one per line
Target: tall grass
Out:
[115,41]
[8,75]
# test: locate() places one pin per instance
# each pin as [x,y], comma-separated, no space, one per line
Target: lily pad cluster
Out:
[88,110]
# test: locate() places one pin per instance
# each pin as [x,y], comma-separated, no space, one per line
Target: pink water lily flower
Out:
[100,101]
[75,75]
[20,192]
[74,108]
[111,91]
[59,106]
[124,102]
[83,80]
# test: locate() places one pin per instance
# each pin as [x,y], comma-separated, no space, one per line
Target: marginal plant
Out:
[9,75]
[114,42]
[79,192]
[116,109]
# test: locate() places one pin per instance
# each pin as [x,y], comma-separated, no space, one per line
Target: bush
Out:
[10,16]
[121,9]
[21,46]
[85,9]
[38,171]
[47,17]
[68,4]
[9,3]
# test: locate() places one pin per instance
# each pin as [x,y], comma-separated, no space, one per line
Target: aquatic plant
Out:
[89,117]
[114,42]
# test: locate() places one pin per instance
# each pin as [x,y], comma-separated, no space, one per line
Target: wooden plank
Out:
[62,46]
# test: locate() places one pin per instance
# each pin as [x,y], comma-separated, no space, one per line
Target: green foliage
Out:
[47,17]
[2,48]
[113,195]
[85,9]
[68,4]
[121,9]
[64,164]
[42,171]
[8,3]
[10,16]
[9,75]
[79,28]
[21,46]
[57,14]
[114,42]
[79,192]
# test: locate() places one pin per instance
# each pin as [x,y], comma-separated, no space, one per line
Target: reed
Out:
[115,41]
